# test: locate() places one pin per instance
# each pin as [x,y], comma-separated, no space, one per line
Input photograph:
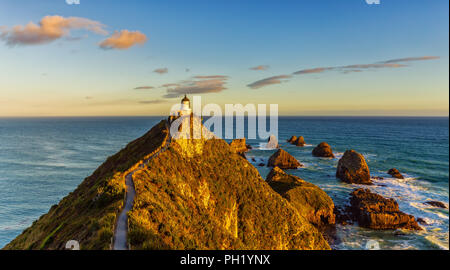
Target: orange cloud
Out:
[50,28]
[260,67]
[198,85]
[161,70]
[268,81]
[123,40]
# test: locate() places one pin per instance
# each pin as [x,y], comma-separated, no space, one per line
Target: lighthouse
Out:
[185,106]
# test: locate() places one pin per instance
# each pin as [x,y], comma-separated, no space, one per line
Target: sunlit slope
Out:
[88,214]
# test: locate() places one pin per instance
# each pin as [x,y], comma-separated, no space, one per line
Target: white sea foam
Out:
[434,240]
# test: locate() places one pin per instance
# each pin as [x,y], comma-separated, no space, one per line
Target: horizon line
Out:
[285,115]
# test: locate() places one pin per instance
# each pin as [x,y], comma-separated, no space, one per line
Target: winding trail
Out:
[121,230]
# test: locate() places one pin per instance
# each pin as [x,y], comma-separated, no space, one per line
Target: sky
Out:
[138,58]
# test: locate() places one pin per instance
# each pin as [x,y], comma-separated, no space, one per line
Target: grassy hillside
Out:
[213,200]
[88,214]
[195,195]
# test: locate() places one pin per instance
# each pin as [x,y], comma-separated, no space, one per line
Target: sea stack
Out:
[292,139]
[373,211]
[272,142]
[323,150]
[300,141]
[283,160]
[352,168]
[395,173]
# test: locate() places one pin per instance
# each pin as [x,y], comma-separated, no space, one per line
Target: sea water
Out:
[43,159]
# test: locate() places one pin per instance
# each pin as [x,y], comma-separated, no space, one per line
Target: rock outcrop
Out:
[352,168]
[323,150]
[292,139]
[395,173]
[373,211]
[239,146]
[298,141]
[311,201]
[272,142]
[436,204]
[283,160]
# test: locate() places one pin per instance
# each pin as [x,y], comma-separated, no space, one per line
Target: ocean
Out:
[43,159]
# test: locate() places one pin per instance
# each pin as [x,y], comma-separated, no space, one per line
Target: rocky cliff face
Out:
[283,160]
[311,201]
[195,195]
[216,200]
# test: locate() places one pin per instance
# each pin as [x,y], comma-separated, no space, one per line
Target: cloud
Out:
[49,29]
[409,59]
[156,101]
[368,66]
[198,85]
[161,70]
[143,87]
[394,63]
[269,81]
[312,70]
[211,77]
[123,40]
[260,67]
[170,85]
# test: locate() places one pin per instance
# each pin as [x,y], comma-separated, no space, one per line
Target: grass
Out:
[89,212]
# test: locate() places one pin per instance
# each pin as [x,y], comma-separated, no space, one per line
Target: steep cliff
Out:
[194,195]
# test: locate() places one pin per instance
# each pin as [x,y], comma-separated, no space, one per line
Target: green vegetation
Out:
[88,214]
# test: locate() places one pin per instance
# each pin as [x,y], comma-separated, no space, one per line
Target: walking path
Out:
[121,231]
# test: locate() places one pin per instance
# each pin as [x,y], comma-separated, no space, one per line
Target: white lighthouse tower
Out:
[185,106]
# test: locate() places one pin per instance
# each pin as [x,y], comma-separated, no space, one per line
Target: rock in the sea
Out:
[352,168]
[283,160]
[422,221]
[272,142]
[239,146]
[292,139]
[395,173]
[300,141]
[436,204]
[323,150]
[373,211]
[311,201]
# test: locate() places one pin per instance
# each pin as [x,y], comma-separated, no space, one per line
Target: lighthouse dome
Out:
[185,99]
